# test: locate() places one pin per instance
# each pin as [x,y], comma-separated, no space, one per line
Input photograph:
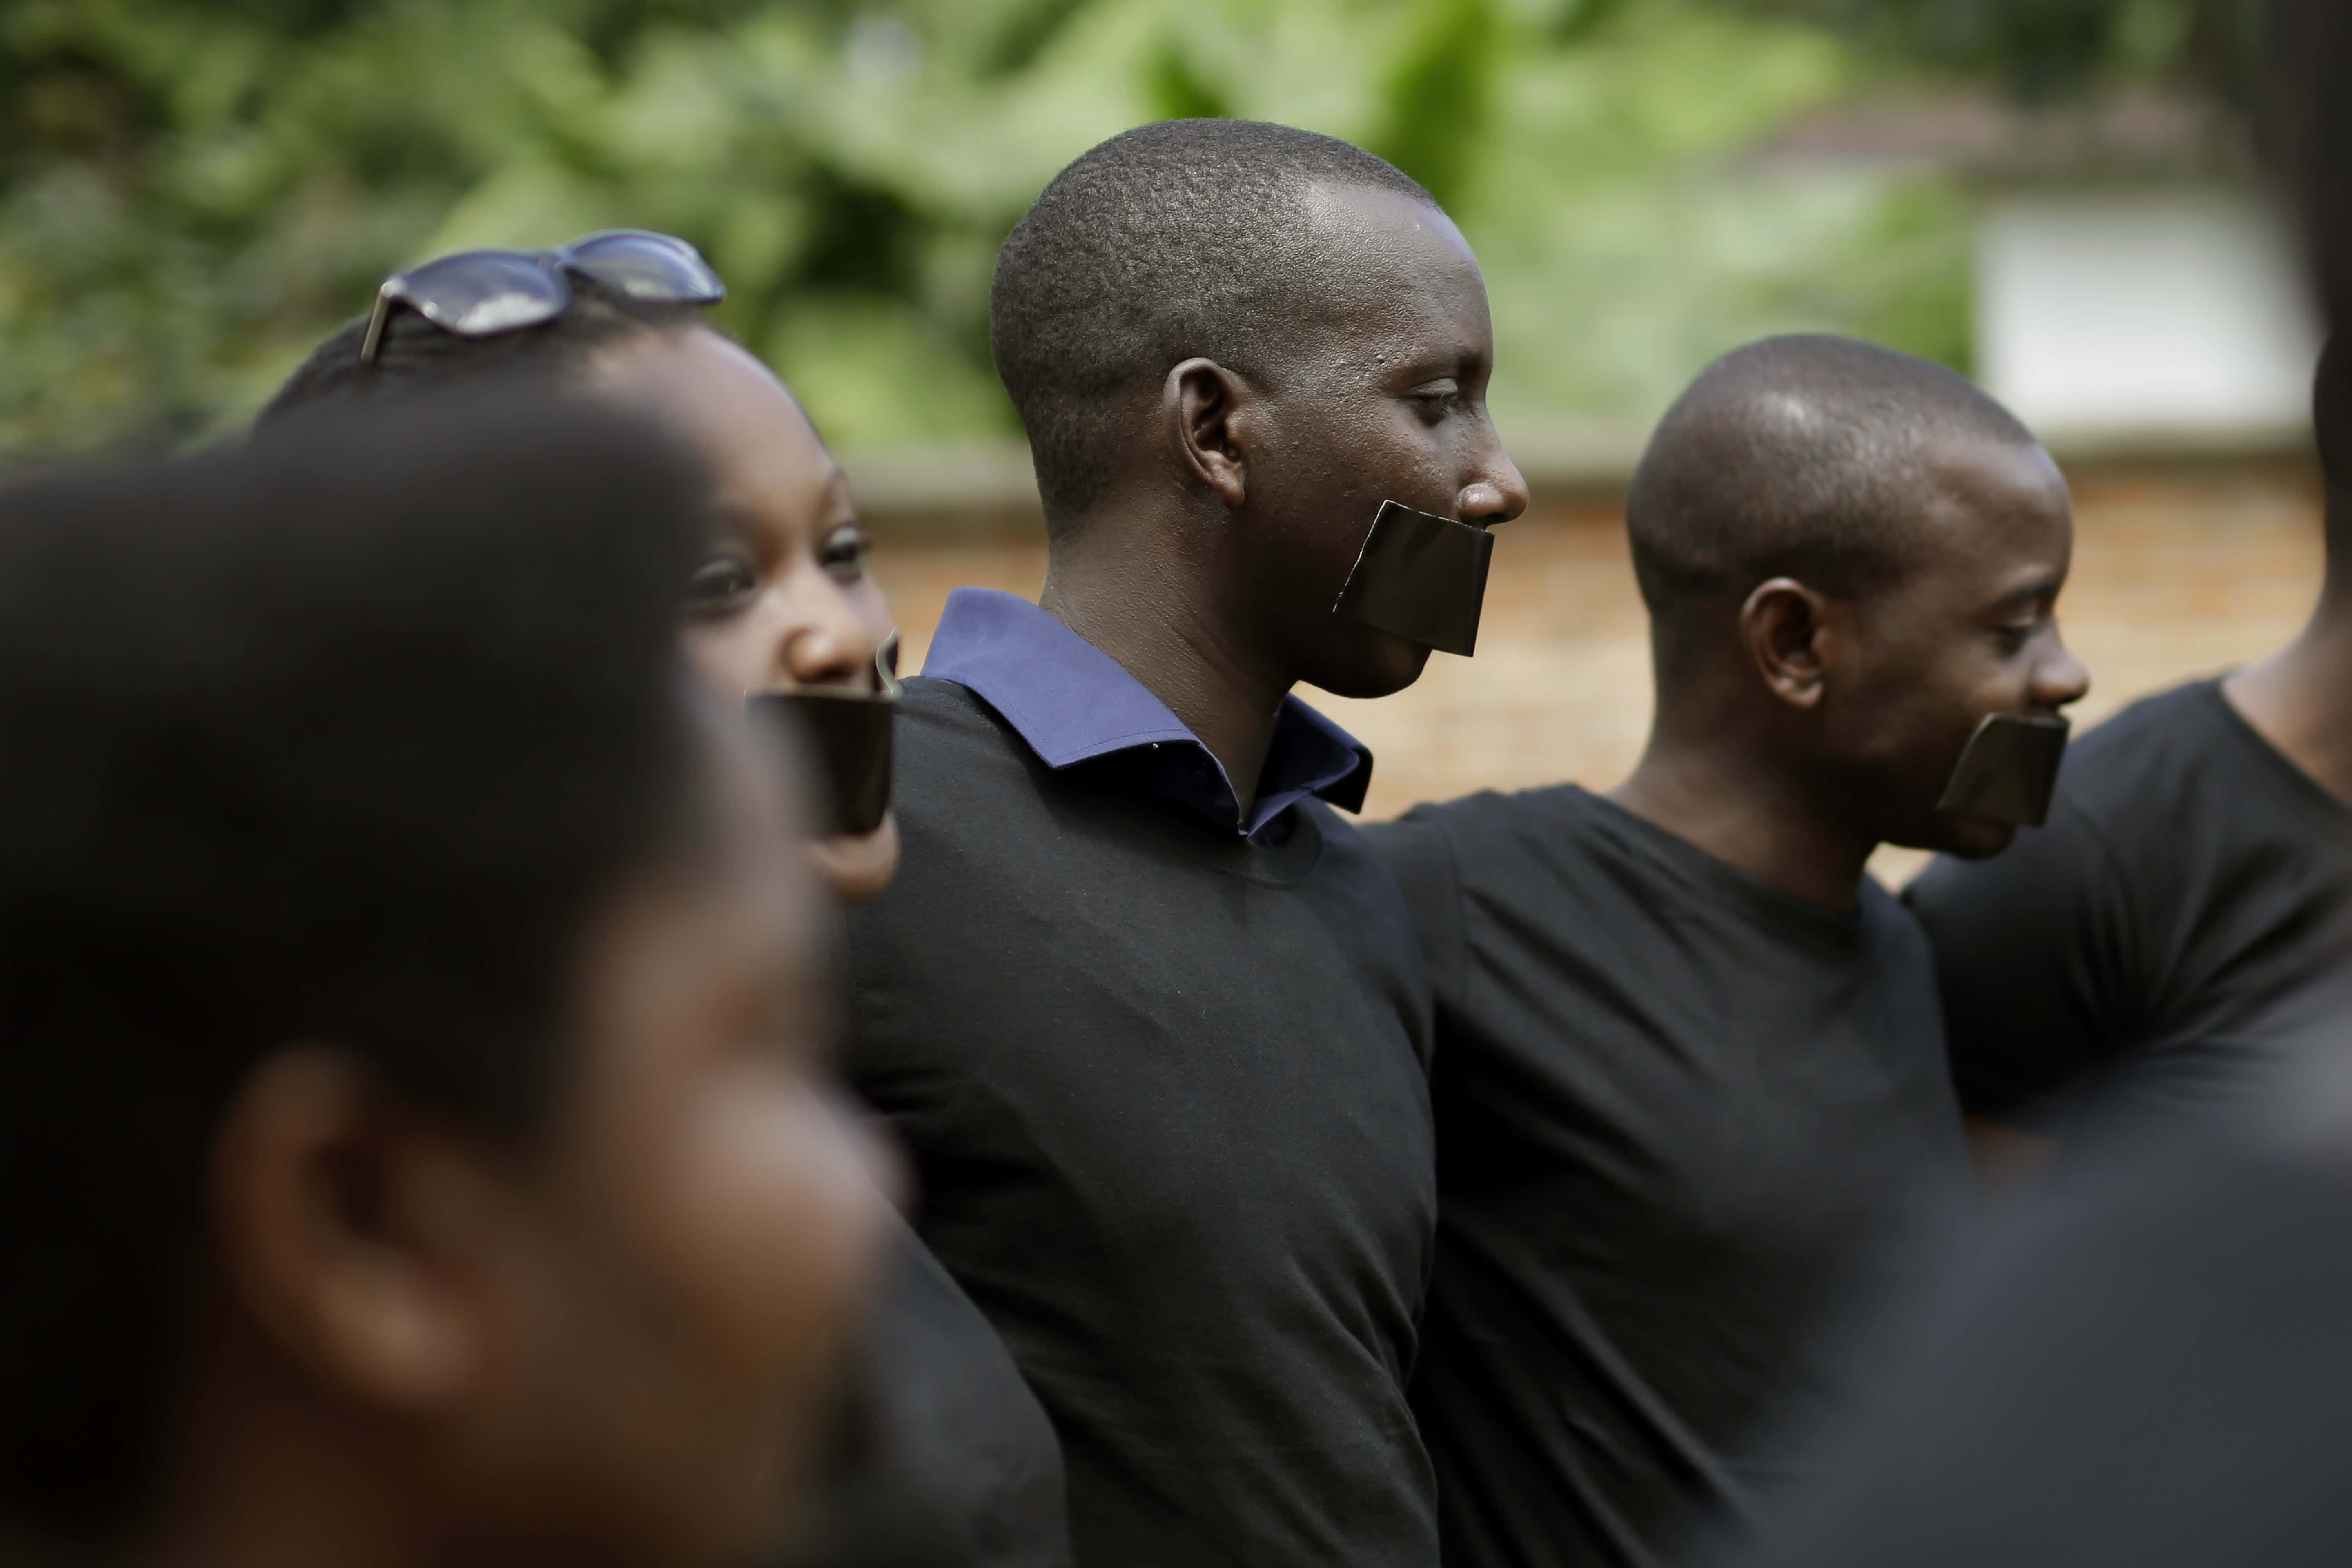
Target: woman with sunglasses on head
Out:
[785,604]
[951,1459]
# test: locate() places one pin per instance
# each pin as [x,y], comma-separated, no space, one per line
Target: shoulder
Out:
[950,742]
[1356,858]
[928,706]
[1492,817]
[1893,928]
[2144,748]
[2101,828]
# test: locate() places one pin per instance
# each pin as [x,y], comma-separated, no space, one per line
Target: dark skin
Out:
[2297,698]
[785,601]
[1798,730]
[1239,501]
[612,1340]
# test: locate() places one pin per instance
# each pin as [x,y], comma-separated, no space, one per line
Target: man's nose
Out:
[2060,679]
[1499,494]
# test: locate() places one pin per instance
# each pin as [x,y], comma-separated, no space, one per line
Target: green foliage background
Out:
[193,191]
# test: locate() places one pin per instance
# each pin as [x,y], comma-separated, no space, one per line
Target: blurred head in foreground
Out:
[781,599]
[1852,557]
[412,1138]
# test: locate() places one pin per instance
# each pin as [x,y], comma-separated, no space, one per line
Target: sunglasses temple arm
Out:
[371,345]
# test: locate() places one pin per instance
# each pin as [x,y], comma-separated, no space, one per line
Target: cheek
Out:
[873,610]
[749,1224]
[1918,698]
[770,1213]
[733,657]
[1348,455]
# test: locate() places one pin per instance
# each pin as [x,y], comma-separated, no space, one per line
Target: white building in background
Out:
[2133,278]
[2176,307]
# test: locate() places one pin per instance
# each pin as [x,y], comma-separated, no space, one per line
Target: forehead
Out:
[1381,255]
[759,443]
[2001,510]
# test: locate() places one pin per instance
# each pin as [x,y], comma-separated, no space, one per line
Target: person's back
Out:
[1689,1077]
[2188,913]
[1147,1013]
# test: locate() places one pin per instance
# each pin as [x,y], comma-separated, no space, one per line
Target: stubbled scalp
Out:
[1808,456]
[1183,238]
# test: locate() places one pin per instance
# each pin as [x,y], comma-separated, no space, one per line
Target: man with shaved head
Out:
[1147,1012]
[1689,1076]
[2188,917]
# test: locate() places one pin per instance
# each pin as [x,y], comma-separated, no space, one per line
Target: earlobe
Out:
[1206,405]
[1781,626]
[329,1216]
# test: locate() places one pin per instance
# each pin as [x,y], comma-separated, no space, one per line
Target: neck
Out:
[1708,787]
[2300,699]
[1168,623]
[264,1477]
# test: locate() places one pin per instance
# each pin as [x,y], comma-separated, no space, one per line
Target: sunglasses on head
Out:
[481,293]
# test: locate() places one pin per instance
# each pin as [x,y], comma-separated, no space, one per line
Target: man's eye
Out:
[1438,398]
[721,584]
[842,553]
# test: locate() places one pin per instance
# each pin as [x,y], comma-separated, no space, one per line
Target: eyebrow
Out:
[1456,362]
[2044,588]
[841,505]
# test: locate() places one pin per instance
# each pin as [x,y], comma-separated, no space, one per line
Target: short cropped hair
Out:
[1803,457]
[338,740]
[1183,238]
[415,356]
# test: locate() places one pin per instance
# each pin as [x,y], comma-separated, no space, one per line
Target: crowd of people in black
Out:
[522,1038]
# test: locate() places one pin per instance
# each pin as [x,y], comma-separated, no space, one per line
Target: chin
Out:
[1967,838]
[855,866]
[1380,664]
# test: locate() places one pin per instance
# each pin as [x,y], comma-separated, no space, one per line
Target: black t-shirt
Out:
[1681,1117]
[950,1461]
[1165,1092]
[2180,918]
[2147,1367]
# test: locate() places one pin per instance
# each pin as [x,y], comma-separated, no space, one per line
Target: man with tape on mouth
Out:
[1690,1076]
[1146,1010]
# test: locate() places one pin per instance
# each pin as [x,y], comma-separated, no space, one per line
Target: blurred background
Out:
[2057,196]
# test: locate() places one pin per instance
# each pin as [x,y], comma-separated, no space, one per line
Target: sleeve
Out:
[2030,950]
[1419,853]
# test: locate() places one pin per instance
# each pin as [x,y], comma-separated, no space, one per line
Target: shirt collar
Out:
[1071,702]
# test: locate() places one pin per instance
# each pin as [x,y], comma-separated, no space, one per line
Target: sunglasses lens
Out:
[480,293]
[647,267]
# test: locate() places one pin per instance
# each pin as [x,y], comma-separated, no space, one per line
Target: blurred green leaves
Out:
[191,192]
[2043,49]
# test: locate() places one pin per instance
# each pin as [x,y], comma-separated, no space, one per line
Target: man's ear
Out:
[347,1232]
[1786,628]
[1205,406]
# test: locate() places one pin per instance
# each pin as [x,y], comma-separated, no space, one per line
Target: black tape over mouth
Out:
[851,733]
[2008,770]
[1420,576]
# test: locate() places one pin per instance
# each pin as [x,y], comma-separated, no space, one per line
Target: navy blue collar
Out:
[1072,702]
